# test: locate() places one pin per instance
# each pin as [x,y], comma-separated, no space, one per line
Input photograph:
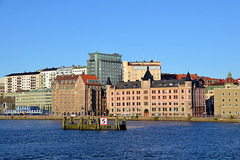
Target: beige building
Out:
[132,71]
[21,81]
[227,99]
[150,98]
[78,95]
[2,85]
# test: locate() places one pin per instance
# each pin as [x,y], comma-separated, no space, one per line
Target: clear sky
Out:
[202,36]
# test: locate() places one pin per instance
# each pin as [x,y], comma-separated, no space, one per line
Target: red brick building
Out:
[78,95]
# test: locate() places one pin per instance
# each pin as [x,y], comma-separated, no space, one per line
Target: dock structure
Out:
[97,124]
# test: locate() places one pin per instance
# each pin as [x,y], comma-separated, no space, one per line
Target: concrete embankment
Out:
[189,119]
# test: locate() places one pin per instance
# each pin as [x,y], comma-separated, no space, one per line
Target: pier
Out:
[97,124]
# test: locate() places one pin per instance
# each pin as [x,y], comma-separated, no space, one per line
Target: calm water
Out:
[44,139]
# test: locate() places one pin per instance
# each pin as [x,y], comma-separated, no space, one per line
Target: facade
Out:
[104,66]
[132,71]
[79,70]
[164,98]
[38,97]
[78,95]
[226,100]
[21,81]
[2,86]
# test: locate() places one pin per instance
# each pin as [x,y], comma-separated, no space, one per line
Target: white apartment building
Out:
[79,70]
[64,71]
[21,81]
[47,76]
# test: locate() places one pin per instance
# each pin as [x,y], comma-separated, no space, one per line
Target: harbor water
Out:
[45,139]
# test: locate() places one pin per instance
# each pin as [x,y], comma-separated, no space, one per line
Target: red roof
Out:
[67,79]
[90,77]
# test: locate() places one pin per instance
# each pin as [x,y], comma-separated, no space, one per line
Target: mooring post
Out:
[80,125]
[117,127]
[71,120]
[124,123]
[64,123]
[97,124]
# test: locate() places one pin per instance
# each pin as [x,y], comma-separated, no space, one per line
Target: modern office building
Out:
[21,81]
[46,77]
[104,66]
[78,95]
[132,71]
[149,97]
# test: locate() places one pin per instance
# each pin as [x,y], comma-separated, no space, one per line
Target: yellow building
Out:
[133,71]
[37,97]
[227,99]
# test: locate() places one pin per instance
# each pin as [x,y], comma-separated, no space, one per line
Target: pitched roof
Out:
[128,85]
[67,79]
[147,75]
[108,81]
[188,78]
[90,80]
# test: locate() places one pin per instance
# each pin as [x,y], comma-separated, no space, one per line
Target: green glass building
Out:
[104,66]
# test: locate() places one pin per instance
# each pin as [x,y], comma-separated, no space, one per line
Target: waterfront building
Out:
[78,95]
[38,97]
[132,71]
[149,97]
[46,77]
[105,65]
[79,70]
[226,100]
[21,81]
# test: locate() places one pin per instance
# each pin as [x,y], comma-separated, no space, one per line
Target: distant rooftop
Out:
[20,74]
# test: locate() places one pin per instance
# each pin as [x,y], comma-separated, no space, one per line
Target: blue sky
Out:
[200,36]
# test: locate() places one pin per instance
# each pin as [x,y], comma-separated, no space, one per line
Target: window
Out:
[122,92]
[145,97]
[175,91]
[153,97]
[159,97]
[153,91]
[230,105]
[182,109]
[229,100]
[229,94]
[169,91]
[170,103]
[182,91]
[223,100]
[170,97]
[153,109]
[154,103]
[159,109]
[170,109]
[236,94]
[145,92]
[236,100]
[230,112]
[145,103]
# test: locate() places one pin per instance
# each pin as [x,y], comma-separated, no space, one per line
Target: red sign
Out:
[103,121]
